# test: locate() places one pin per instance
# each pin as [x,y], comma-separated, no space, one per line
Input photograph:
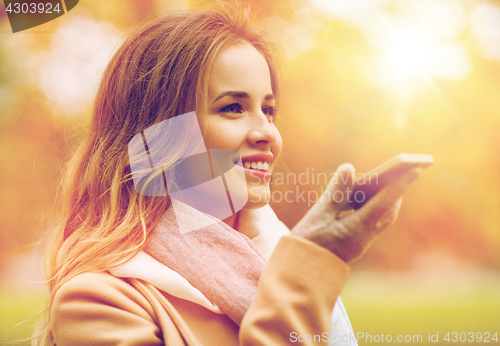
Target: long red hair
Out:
[160,71]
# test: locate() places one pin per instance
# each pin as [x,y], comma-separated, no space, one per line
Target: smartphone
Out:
[369,183]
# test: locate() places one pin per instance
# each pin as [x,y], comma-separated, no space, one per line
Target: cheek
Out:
[222,135]
[279,143]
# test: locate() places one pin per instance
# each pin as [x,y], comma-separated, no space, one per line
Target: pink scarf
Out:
[218,260]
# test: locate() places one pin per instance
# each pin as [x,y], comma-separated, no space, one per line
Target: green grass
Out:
[376,304]
[398,320]
[379,304]
[16,307]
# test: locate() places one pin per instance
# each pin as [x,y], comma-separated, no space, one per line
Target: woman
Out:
[120,271]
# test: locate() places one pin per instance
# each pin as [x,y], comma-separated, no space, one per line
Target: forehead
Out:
[239,67]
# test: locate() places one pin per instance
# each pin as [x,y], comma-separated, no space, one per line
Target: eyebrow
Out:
[241,94]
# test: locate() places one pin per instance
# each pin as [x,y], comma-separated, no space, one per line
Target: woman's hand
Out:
[349,237]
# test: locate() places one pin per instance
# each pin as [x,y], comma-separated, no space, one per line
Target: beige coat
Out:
[296,294]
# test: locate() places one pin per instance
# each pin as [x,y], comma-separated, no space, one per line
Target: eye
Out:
[232,108]
[270,111]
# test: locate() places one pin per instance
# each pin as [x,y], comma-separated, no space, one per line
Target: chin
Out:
[258,196]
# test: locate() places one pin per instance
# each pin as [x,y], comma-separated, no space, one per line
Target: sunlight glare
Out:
[408,58]
[412,59]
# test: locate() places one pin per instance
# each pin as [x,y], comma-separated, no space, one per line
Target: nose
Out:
[262,132]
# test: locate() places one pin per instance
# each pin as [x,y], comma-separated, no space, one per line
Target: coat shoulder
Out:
[101,287]
[95,308]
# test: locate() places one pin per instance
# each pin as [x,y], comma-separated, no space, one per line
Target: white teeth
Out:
[257,165]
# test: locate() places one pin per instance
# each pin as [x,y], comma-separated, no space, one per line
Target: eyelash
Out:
[273,110]
[227,109]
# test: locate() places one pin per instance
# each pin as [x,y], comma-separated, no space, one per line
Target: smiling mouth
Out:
[257,165]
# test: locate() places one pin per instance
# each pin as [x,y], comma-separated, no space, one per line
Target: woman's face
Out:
[240,116]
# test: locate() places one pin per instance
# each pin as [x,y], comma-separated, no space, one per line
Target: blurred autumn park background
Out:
[363,80]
